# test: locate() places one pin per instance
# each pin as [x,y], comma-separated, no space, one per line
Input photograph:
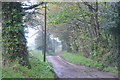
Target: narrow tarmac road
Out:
[65,69]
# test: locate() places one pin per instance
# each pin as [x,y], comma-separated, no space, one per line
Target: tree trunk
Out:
[14,40]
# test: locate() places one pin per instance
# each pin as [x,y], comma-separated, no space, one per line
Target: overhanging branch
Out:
[33,6]
[89,6]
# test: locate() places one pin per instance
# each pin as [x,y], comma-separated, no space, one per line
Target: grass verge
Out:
[39,68]
[77,59]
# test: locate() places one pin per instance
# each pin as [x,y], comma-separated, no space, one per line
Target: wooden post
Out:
[45,36]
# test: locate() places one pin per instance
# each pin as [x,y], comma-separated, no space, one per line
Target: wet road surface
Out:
[65,69]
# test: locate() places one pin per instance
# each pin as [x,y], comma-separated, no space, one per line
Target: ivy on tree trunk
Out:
[14,41]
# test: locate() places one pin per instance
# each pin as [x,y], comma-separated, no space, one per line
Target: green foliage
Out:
[14,41]
[39,68]
[36,53]
[112,69]
[39,43]
[111,20]
[0,71]
[64,15]
[15,54]
[10,73]
[60,17]
[89,32]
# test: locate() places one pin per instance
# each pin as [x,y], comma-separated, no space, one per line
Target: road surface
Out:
[65,69]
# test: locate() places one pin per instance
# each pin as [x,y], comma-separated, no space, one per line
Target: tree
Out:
[79,27]
[14,41]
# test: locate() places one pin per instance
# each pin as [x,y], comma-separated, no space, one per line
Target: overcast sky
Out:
[31,38]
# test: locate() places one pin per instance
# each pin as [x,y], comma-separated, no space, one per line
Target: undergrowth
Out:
[39,68]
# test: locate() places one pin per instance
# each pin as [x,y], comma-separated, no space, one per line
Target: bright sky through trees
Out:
[31,38]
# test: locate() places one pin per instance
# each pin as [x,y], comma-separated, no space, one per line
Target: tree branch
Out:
[33,6]
[89,6]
